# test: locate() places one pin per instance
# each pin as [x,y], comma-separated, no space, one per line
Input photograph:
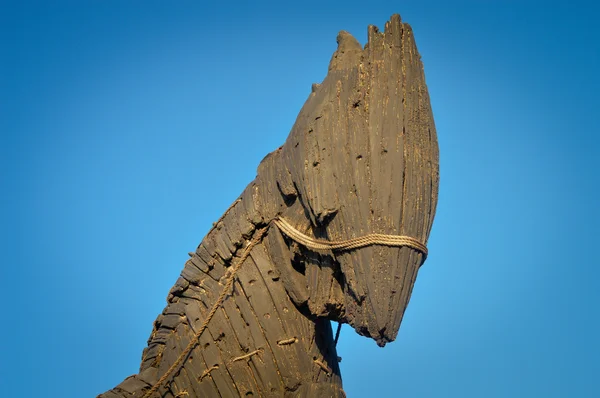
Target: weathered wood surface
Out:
[362,157]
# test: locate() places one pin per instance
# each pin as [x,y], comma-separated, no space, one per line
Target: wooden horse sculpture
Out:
[333,227]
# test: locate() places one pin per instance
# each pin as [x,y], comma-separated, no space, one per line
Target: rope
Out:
[311,243]
[322,366]
[207,372]
[289,341]
[350,244]
[247,355]
[337,333]
[192,344]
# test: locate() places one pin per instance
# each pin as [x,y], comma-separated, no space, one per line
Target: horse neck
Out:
[258,342]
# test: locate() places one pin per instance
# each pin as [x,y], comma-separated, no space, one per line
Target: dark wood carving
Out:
[361,158]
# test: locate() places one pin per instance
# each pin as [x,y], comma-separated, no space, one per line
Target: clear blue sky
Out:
[127,128]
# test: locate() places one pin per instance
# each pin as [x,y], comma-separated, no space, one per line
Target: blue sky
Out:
[129,127]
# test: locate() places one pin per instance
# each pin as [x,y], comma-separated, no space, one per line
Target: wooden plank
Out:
[149,376]
[213,358]
[169,354]
[240,217]
[170,321]
[249,198]
[161,335]
[110,394]
[223,246]
[216,270]
[259,293]
[221,332]
[191,272]
[195,365]
[231,227]
[291,322]
[132,384]
[293,281]
[266,371]
[319,276]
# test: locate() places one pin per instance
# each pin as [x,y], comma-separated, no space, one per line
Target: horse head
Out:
[361,158]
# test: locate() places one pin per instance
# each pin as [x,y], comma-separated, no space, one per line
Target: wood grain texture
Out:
[361,158]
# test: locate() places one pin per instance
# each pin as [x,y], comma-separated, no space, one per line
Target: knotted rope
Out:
[299,237]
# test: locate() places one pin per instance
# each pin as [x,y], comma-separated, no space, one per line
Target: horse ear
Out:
[348,52]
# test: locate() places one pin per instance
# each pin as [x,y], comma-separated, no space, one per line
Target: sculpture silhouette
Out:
[361,158]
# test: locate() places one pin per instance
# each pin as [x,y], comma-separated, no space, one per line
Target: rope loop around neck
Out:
[349,244]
